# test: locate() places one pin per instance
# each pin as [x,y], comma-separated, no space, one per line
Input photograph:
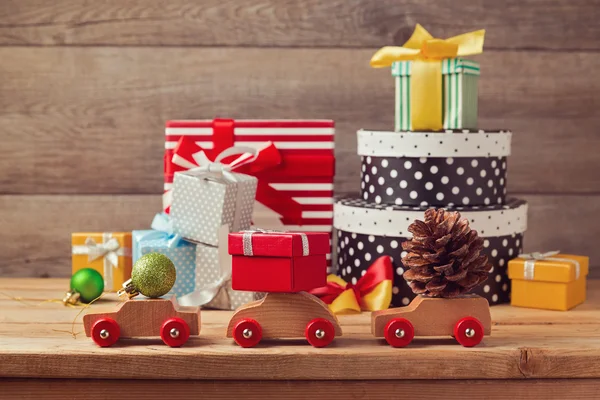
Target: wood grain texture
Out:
[296,309]
[513,351]
[91,120]
[35,240]
[540,24]
[60,389]
[31,294]
[435,316]
[144,317]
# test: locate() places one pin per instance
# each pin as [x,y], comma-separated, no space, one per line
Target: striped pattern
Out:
[460,94]
[458,65]
[293,138]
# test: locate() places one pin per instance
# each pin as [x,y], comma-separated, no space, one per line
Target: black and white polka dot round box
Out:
[366,231]
[434,168]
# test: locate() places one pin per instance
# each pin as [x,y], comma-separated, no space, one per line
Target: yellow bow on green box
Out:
[427,53]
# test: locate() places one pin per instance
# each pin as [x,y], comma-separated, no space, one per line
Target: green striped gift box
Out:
[459,93]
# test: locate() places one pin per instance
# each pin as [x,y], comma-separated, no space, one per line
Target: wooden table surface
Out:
[531,353]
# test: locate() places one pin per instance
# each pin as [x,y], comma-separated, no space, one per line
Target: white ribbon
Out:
[208,169]
[214,294]
[204,165]
[531,258]
[109,250]
[247,240]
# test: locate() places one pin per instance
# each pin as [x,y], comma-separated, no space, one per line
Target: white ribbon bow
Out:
[219,170]
[531,258]
[109,250]
[106,249]
[205,165]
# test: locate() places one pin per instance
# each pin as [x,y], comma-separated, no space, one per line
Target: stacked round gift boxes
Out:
[405,173]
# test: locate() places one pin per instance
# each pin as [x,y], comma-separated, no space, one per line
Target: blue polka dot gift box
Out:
[205,203]
[181,252]
[454,167]
[366,231]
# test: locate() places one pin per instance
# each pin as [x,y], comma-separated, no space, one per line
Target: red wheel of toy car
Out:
[105,332]
[319,332]
[247,333]
[399,332]
[468,331]
[175,332]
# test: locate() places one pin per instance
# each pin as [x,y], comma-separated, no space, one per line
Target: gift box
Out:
[434,168]
[459,94]
[366,231]
[205,203]
[295,185]
[108,253]
[181,252]
[435,87]
[551,281]
[213,281]
[270,261]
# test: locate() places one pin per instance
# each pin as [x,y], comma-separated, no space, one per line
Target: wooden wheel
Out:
[468,331]
[175,332]
[105,332]
[247,333]
[319,332]
[399,332]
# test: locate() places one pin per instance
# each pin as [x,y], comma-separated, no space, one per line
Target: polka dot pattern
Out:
[449,143]
[461,181]
[209,272]
[201,205]
[496,289]
[356,215]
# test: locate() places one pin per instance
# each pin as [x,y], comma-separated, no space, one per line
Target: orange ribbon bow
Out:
[372,292]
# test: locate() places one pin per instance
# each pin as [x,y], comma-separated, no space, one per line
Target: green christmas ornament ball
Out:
[89,283]
[153,275]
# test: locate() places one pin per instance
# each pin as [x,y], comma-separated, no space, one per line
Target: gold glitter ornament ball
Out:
[153,275]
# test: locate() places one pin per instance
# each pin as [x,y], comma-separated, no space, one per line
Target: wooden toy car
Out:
[284,264]
[148,317]
[467,318]
[284,315]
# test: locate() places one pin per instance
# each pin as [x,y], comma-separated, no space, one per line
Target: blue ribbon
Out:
[163,229]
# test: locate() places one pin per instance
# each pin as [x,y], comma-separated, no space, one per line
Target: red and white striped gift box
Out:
[296,194]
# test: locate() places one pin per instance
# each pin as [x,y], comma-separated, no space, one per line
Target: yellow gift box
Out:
[551,281]
[108,253]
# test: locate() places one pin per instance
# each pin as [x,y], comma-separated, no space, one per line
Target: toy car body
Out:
[144,318]
[467,318]
[284,315]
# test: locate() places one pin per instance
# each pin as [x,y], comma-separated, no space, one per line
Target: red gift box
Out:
[269,261]
[296,190]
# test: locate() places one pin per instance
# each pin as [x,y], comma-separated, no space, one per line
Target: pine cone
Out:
[444,257]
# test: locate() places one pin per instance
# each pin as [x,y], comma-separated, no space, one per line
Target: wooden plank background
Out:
[85,89]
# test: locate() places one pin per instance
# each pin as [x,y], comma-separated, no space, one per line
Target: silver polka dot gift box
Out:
[206,203]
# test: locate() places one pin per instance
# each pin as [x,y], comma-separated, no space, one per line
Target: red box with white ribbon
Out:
[295,179]
[273,261]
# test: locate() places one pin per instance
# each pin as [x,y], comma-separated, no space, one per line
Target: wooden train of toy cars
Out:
[293,315]
[285,265]
[144,318]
